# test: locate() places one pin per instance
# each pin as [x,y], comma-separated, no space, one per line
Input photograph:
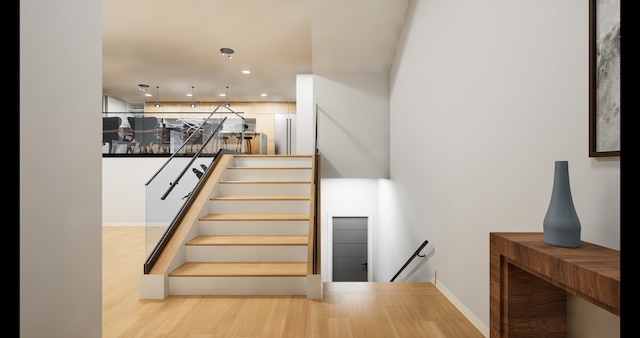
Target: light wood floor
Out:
[349,309]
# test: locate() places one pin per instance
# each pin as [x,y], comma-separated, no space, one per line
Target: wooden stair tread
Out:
[244,269]
[260,198]
[249,240]
[269,168]
[264,182]
[272,156]
[255,217]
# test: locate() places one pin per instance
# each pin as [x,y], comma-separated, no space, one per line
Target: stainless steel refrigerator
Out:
[285,134]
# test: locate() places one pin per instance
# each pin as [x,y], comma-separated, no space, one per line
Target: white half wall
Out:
[123,189]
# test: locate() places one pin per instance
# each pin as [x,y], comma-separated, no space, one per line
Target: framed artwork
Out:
[604,78]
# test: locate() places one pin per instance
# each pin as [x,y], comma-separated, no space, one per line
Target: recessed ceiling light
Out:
[223,95]
[246,71]
[263,94]
[147,94]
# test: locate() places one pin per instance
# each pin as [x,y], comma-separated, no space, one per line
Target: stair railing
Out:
[416,253]
[166,236]
[157,241]
[197,154]
[185,142]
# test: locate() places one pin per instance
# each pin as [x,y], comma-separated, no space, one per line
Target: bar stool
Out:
[225,142]
[247,144]
[246,139]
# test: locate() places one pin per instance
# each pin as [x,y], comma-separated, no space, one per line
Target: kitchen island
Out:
[258,141]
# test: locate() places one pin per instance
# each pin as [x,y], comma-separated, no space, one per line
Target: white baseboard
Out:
[484,329]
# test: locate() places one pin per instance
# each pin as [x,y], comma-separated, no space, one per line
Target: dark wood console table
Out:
[529,282]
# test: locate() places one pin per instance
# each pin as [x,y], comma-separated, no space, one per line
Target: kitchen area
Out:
[252,128]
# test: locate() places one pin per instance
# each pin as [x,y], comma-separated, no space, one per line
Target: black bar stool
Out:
[244,138]
[247,144]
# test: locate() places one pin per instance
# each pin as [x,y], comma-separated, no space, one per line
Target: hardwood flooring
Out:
[349,309]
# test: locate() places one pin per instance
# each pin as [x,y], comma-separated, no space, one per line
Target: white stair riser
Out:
[259,207]
[200,253]
[263,189]
[267,175]
[272,162]
[237,285]
[224,228]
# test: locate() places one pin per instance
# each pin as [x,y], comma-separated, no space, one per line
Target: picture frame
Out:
[604,78]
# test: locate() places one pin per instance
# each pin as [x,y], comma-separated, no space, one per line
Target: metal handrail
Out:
[173,184]
[182,146]
[417,253]
[184,170]
[164,240]
[316,192]
[192,135]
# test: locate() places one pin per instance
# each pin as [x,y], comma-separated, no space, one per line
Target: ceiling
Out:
[175,45]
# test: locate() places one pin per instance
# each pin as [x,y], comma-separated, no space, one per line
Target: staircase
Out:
[252,236]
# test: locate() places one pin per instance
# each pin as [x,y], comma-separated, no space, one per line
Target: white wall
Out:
[353,132]
[60,185]
[305,115]
[500,91]
[116,105]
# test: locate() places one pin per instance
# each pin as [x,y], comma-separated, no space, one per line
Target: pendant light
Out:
[157,105]
[227,103]
[193,104]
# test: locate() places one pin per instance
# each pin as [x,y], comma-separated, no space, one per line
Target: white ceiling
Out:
[176,44]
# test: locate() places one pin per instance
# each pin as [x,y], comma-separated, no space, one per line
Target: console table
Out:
[529,282]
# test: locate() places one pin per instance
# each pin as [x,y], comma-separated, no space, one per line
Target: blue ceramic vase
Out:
[561,225]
